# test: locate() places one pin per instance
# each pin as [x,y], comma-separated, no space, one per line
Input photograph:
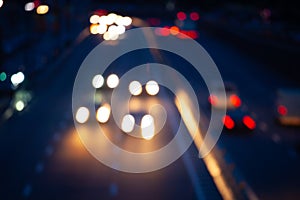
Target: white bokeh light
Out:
[102,28]
[126,21]
[20,105]
[98,81]
[128,123]
[94,19]
[147,125]
[112,81]
[103,113]
[152,87]
[82,115]
[29,6]
[135,88]
[17,78]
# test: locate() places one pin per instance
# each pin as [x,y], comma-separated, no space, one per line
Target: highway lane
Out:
[74,169]
[266,158]
[267,163]
[49,161]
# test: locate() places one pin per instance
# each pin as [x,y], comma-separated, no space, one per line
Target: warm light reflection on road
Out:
[136,104]
[186,111]
[91,136]
[72,160]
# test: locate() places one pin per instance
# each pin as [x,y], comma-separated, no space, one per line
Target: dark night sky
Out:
[286,8]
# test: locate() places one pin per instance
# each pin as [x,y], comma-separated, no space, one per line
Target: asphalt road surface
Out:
[42,156]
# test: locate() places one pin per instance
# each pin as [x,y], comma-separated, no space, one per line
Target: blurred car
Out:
[238,119]
[237,116]
[288,107]
[150,88]
[146,122]
[104,87]
[231,101]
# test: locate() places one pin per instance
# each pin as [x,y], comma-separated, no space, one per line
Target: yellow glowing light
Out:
[152,87]
[20,105]
[187,113]
[42,9]
[135,88]
[1,3]
[82,115]
[174,30]
[147,126]
[98,81]
[103,113]
[94,19]
[29,6]
[128,123]
[94,28]
[112,81]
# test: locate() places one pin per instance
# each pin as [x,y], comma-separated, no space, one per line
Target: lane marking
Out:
[222,187]
[190,168]
[210,161]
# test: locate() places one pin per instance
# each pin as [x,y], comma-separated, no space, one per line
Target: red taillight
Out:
[212,99]
[165,31]
[186,34]
[194,16]
[282,110]
[235,100]
[249,122]
[154,21]
[228,122]
[181,16]
[36,3]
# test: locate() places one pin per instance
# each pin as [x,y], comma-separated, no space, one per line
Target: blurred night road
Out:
[42,156]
